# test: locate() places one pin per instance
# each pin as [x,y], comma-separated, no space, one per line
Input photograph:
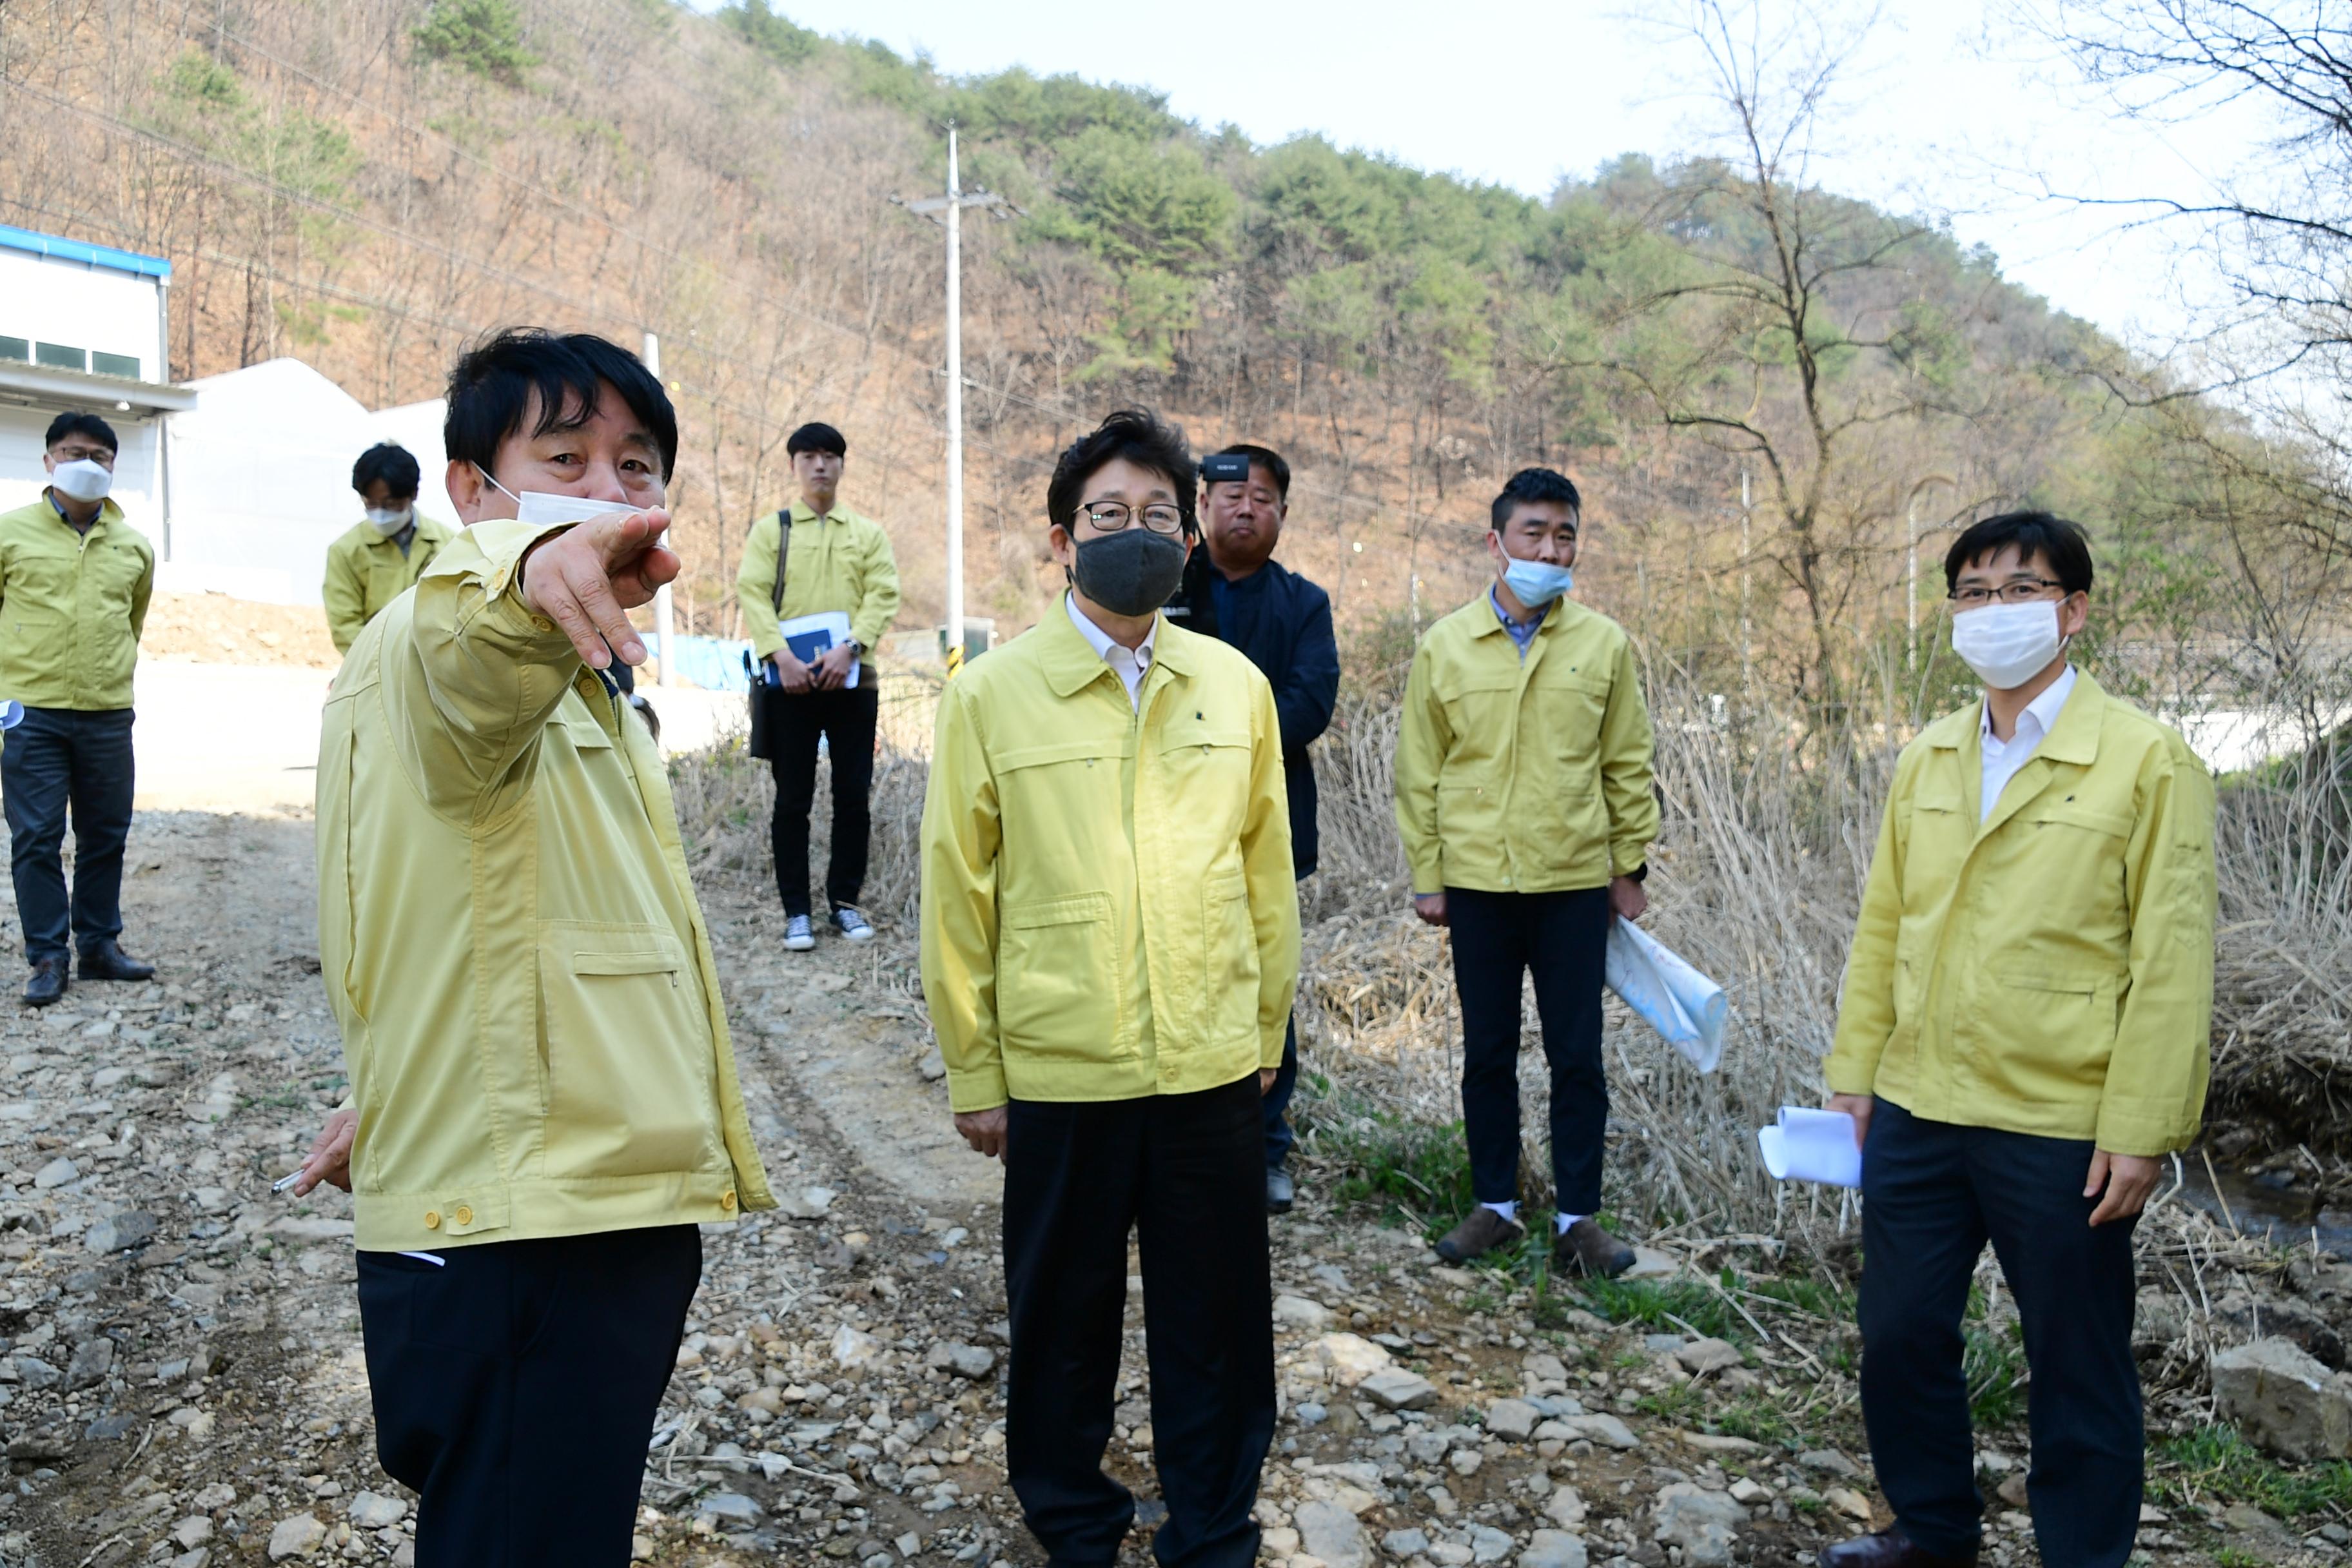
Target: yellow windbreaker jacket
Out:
[843,563]
[365,571]
[509,936]
[1524,775]
[1108,909]
[72,606]
[2050,971]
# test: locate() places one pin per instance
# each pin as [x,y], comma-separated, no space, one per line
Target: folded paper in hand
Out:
[1808,1145]
[1665,991]
[811,637]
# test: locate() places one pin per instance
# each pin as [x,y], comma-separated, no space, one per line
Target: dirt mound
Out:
[218,629]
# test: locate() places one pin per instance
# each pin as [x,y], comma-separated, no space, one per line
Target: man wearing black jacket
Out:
[1281,623]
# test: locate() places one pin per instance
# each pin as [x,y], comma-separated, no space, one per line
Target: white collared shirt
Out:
[2002,759]
[1132,665]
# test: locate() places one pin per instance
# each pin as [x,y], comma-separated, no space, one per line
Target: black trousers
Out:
[61,760]
[1187,1172]
[1563,938]
[515,1388]
[846,721]
[1933,1193]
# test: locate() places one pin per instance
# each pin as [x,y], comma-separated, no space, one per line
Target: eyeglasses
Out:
[1110,516]
[2024,591]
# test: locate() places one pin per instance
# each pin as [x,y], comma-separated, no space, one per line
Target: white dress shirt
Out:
[1132,665]
[2002,759]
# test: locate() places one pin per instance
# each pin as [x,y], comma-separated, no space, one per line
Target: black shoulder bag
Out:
[764,690]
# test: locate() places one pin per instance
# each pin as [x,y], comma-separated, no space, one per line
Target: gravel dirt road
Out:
[180,1379]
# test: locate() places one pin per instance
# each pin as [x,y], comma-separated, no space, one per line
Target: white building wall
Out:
[44,299]
[261,481]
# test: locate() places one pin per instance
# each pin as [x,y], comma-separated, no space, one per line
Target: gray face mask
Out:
[1130,572]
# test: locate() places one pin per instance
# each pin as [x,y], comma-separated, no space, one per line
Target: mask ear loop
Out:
[494,484]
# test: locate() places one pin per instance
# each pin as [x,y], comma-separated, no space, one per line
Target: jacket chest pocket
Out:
[1205,772]
[631,1080]
[1568,706]
[1480,705]
[42,584]
[1057,995]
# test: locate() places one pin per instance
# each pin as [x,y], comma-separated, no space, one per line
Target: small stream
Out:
[2285,1213]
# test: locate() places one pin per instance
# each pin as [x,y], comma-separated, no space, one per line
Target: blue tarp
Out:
[715,664]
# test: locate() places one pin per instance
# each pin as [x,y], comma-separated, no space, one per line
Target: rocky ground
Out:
[183,1381]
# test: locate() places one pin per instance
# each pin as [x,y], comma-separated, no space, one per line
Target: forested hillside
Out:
[368,184]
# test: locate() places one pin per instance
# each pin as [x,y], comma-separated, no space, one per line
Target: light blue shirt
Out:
[1522,632]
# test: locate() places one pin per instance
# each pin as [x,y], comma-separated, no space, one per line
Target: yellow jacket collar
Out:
[109,510]
[1071,664]
[2074,738]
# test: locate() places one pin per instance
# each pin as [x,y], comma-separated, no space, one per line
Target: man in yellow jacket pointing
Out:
[543,1095]
[1111,941]
[2022,1034]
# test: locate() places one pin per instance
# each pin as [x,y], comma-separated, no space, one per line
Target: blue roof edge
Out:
[63,249]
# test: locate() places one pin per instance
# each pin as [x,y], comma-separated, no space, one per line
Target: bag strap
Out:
[784,551]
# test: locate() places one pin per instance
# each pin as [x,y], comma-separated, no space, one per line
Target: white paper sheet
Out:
[833,625]
[1686,1007]
[1810,1145]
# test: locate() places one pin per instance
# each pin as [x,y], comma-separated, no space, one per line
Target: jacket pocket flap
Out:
[2055,984]
[644,960]
[1081,751]
[1078,908]
[2112,822]
[1190,735]
[1227,884]
[1936,800]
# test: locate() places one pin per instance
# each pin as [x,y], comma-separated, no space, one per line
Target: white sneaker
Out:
[798,937]
[853,924]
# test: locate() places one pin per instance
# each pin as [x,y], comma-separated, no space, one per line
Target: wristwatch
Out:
[857,648]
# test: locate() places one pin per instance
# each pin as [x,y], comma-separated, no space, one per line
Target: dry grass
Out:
[1755,879]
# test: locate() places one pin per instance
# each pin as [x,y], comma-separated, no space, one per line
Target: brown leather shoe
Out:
[1585,1248]
[1888,1549]
[1479,1234]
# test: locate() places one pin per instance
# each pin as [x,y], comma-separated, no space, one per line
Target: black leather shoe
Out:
[107,961]
[1888,1549]
[48,984]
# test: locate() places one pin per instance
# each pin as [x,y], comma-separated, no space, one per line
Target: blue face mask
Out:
[1536,583]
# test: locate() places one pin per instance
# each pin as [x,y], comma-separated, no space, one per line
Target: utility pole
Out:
[665,623]
[952,205]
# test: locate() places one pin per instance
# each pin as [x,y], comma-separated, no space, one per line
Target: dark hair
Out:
[1140,437]
[816,437]
[1535,485]
[391,462]
[491,385]
[1264,457]
[75,423]
[2062,544]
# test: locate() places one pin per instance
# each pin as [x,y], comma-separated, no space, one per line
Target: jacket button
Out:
[433,1219]
[542,623]
[727,1200]
[464,1215]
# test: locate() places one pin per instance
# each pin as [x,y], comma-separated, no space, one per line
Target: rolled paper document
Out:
[1811,1145]
[1663,990]
[12,713]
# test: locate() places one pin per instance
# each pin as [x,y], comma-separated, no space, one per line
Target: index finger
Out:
[594,591]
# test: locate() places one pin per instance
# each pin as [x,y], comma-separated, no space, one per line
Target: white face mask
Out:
[2007,644]
[83,480]
[388,523]
[540,507]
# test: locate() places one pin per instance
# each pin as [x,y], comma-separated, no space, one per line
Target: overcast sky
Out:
[1949,110]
